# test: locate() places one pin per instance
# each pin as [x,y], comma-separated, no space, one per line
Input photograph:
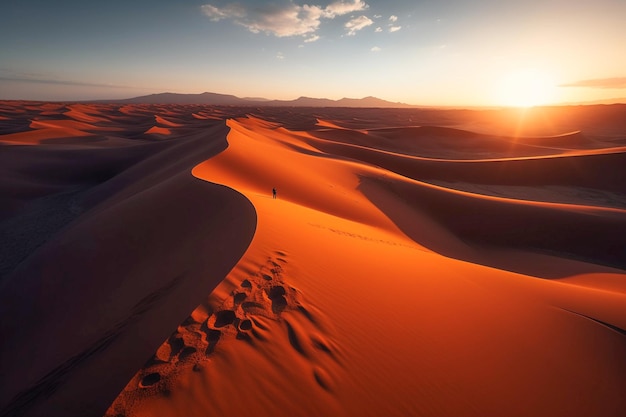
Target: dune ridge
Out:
[414,262]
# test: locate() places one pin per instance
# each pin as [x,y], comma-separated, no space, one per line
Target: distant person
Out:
[274,193]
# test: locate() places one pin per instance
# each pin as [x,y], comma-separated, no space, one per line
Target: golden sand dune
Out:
[165,122]
[407,266]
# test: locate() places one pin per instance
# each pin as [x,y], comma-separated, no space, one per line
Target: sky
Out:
[430,52]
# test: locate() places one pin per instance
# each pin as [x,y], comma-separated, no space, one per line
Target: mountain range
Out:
[216,99]
[231,100]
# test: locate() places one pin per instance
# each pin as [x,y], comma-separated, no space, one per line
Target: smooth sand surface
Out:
[414,262]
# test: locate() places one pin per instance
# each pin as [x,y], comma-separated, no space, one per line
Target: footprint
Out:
[213,336]
[224,318]
[239,297]
[294,340]
[322,378]
[245,325]
[307,314]
[322,345]
[186,352]
[176,344]
[150,380]
[277,296]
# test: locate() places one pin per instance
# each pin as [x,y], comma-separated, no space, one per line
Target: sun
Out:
[525,88]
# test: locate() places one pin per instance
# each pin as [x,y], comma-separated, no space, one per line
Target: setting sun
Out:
[525,88]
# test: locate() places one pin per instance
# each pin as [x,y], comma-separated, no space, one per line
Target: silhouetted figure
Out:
[274,193]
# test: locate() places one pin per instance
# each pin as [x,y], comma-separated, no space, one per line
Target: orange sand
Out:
[409,266]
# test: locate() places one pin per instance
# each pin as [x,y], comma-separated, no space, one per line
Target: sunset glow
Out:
[526,88]
[427,53]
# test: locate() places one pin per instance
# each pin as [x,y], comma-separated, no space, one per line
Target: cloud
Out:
[378,29]
[393,18]
[313,38]
[280,56]
[339,8]
[28,78]
[357,23]
[282,19]
[375,49]
[216,14]
[617,82]
[279,20]
[394,28]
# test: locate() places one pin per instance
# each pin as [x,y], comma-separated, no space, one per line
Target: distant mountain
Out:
[304,102]
[175,98]
[370,102]
[344,102]
[256,99]
[230,100]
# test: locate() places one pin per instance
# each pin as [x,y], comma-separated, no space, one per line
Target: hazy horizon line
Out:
[261,99]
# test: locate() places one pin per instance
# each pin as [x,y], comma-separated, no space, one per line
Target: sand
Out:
[414,262]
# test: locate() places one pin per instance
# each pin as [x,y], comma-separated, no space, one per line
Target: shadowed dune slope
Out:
[591,168]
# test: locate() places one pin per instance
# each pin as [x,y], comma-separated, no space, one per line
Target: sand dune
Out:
[157,130]
[415,262]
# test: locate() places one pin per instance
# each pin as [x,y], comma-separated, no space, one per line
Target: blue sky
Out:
[421,52]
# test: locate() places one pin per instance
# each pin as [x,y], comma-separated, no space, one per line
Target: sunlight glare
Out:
[525,88]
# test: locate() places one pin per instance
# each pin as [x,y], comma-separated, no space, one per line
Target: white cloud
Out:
[283,19]
[375,49]
[313,38]
[280,56]
[339,8]
[232,11]
[357,23]
[378,29]
[393,18]
[395,28]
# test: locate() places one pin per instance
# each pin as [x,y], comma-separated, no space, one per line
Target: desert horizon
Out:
[368,101]
[412,261]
